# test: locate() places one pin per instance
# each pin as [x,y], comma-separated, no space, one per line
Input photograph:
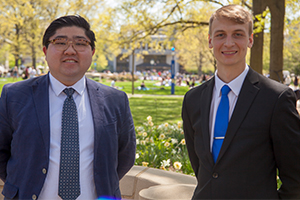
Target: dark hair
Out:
[67,21]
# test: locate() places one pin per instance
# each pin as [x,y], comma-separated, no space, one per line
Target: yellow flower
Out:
[179,124]
[145,134]
[162,167]
[143,142]
[177,165]
[145,164]
[167,144]
[182,142]
[166,124]
[151,124]
[162,136]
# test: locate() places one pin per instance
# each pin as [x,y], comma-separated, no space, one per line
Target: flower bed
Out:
[162,146]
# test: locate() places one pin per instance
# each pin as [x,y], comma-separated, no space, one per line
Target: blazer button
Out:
[44,171]
[215,175]
[34,197]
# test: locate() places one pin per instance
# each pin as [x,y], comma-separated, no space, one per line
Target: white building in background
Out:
[152,60]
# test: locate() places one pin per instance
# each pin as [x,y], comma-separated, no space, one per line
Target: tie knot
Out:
[225,90]
[69,92]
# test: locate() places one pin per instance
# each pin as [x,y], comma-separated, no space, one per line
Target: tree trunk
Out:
[256,58]
[17,45]
[277,8]
[33,56]
[200,64]
[17,61]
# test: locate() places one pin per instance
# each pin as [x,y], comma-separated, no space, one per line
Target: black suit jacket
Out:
[263,135]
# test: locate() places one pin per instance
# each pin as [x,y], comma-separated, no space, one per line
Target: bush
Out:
[162,147]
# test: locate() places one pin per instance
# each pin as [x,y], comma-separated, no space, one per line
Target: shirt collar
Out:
[235,85]
[58,87]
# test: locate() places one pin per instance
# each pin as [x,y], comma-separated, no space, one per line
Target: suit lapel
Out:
[40,90]
[205,101]
[246,97]
[96,101]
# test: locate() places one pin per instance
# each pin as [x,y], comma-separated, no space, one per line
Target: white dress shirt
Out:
[86,140]
[235,86]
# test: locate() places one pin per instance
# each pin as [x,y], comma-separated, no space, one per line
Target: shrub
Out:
[163,147]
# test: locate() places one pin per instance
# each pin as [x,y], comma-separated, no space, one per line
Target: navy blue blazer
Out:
[25,137]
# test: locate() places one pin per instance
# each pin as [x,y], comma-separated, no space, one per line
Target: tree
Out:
[13,25]
[141,23]
[173,14]
[292,40]
[192,44]
[277,9]
[259,12]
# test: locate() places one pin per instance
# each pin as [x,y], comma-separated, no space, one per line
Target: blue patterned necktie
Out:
[69,186]
[221,123]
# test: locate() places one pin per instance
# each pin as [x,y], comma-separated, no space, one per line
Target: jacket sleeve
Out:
[5,134]
[127,141]
[285,133]
[189,136]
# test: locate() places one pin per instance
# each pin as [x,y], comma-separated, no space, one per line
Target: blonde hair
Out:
[235,13]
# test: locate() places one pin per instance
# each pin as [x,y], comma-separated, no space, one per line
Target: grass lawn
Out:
[126,86]
[4,81]
[162,109]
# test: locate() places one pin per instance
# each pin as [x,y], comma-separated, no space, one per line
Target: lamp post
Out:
[152,62]
[173,71]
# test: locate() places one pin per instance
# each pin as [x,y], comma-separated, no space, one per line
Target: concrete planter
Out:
[140,182]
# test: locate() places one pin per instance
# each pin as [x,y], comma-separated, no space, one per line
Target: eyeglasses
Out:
[62,44]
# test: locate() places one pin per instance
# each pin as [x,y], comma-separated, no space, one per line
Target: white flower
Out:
[162,136]
[182,142]
[177,165]
[174,141]
[165,163]
[149,118]
[145,134]
[151,140]
[179,124]
[137,156]
[167,144]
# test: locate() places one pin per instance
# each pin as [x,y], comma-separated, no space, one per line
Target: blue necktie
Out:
[221,122]
[69,187]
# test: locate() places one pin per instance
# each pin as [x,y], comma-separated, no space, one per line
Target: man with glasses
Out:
[63,136]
